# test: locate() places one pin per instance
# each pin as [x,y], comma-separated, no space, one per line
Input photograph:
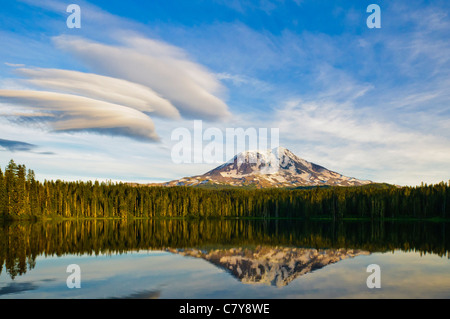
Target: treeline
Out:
[23,197]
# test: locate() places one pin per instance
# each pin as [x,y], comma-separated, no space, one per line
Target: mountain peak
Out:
[280,149]
[277,167]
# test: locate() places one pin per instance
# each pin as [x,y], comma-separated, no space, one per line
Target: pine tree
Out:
[12,198]
[2,196]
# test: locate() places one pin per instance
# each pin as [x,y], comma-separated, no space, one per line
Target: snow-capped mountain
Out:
[278,167]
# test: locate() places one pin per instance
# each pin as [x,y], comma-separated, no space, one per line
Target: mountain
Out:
[278,167]
[273,266]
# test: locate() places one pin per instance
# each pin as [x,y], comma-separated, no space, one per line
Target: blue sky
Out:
[100,102]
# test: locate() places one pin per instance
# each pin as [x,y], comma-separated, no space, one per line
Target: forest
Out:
[24,197]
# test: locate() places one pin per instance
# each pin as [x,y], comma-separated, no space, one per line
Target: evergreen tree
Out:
[3,203]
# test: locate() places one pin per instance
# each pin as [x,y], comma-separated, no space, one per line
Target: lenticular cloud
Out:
[134,80]
[75,113]
[102,88]
[166,69]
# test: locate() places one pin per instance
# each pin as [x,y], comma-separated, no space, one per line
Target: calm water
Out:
[224,259]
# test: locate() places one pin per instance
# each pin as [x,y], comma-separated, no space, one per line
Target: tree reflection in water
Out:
[22,242]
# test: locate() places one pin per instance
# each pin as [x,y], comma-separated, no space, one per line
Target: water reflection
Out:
[20,287]
[142,294]
[14,288]
[275,266]
[21,243]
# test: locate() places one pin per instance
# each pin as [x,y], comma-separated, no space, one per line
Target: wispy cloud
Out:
[266,6]
[14,146]
[343,133]
[14,64]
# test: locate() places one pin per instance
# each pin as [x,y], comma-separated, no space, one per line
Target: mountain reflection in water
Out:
[276,266]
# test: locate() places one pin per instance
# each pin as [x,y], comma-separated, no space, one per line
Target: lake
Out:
[257,259]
